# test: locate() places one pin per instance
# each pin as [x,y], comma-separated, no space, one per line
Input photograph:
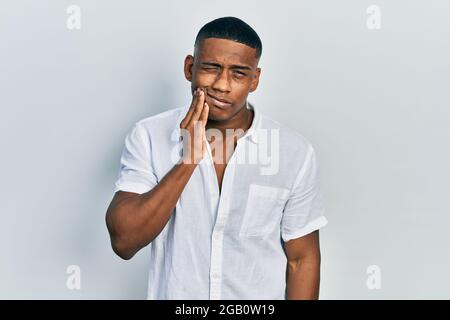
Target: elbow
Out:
[119,241]
[121,249]
[126,237]
[311,260]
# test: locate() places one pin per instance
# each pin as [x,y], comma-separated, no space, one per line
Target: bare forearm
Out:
[303,279]
[136,221]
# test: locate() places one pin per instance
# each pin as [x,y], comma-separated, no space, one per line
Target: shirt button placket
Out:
[217,236]
[216,251]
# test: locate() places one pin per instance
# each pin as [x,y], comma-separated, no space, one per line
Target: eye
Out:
[209,68]
[239,74]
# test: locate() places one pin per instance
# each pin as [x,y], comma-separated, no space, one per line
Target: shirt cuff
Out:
[132,187]
[310,227]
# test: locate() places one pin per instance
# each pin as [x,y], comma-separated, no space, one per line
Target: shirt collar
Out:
[251,133]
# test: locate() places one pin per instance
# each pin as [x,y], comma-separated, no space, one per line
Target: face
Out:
[228,72]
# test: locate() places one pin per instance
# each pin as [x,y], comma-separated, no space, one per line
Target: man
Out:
[247,229]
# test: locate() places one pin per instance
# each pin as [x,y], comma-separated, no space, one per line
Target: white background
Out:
[374,104]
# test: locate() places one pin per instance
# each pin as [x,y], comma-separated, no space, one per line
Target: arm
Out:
[303,267]
[134,220]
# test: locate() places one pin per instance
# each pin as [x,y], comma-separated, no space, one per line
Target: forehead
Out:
[226,51]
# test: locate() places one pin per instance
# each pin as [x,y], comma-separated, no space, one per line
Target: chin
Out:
[219,114]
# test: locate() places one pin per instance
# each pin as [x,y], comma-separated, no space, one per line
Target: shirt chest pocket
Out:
[263,210]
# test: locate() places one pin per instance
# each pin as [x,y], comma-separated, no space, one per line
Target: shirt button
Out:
[216,276]
[216,236]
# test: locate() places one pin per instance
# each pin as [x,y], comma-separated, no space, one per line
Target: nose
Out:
[222,82]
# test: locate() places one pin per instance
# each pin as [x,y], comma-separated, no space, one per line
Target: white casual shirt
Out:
[227,246]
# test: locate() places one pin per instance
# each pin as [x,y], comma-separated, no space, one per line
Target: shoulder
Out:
[290,139]
[160,121]
[156,127]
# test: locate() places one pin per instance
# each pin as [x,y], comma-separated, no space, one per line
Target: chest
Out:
[222,152]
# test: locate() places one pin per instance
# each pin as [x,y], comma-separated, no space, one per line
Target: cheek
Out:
[241,91]
[203,79]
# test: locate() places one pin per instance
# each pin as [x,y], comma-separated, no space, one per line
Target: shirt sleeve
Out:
[304,210]
[136,173]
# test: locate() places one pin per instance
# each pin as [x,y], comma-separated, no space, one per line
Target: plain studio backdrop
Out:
[374,102]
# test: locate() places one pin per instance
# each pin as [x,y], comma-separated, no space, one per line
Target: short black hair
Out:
[231,28]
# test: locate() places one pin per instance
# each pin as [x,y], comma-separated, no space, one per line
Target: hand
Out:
[193,129]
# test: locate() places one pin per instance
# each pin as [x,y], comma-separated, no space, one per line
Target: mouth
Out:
[221,103]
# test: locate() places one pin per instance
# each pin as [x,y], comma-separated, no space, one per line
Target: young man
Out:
[224,219]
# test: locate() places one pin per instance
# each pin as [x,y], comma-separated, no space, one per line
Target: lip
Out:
[219,102]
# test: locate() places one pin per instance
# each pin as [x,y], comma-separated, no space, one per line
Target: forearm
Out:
[303,279]
[136,221]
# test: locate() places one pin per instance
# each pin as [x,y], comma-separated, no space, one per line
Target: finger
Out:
[204,142]
[188,116]
[198,107]
[204,114]
[198,135]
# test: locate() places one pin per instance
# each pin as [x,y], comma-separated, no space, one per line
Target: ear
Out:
[188,63]
[255,80]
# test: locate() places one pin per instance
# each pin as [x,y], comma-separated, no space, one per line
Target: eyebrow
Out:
[234,66]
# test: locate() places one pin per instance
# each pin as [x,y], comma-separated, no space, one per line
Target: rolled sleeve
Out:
[304,210]
[135,172]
